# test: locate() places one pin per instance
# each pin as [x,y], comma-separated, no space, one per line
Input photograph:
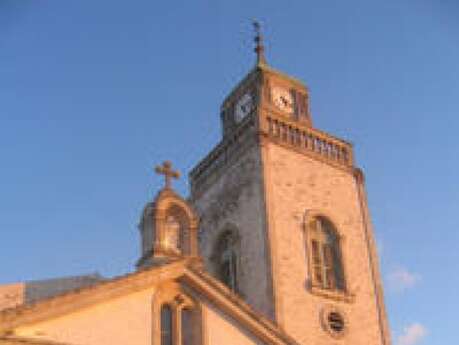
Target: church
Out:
[273,245]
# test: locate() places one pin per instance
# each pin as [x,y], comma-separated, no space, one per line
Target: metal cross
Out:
[166,170]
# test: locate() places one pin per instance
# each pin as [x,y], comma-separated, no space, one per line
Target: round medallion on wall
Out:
[333,321]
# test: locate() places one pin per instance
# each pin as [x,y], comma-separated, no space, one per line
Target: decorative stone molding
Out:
[340,296]
[174,295]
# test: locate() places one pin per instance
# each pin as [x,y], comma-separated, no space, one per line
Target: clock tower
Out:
[284,221]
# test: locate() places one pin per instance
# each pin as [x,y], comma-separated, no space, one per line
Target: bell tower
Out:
[168,226]
[284,217]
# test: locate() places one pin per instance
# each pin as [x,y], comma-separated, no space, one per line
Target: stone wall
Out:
[296,184]
[235,202]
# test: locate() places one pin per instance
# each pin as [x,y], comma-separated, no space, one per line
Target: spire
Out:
[259,47]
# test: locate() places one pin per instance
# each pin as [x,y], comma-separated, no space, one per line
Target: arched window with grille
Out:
[226,257]
[325,255]
[166,325]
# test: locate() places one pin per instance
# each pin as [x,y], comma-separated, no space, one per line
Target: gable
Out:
[127,311]
[127,320]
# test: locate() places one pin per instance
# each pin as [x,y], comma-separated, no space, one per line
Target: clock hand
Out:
[286,102]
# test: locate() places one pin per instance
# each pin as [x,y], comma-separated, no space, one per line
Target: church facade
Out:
[274,244]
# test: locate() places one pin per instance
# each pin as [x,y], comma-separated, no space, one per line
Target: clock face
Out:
[243,107]
[282,99]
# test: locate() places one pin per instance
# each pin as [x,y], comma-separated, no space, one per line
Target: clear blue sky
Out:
[94,93]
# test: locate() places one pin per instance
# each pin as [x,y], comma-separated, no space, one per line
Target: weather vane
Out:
[259,48]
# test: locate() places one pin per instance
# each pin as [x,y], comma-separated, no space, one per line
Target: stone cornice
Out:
[265,138]
[278,115]
[332,294]
[306,140]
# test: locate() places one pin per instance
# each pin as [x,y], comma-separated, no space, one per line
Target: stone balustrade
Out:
[305,139]
[310,140]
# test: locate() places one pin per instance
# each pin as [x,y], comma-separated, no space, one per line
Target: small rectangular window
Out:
[315,252]
[317,263]
[187,327]
[328,255]
[329,281]
[318,276]
[328,266]
[166,325]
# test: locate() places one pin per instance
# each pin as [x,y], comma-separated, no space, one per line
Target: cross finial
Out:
[259,47]
[166,170]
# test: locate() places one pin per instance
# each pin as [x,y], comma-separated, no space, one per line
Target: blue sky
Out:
[94,93]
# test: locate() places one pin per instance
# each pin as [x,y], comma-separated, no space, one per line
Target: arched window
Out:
[226,259]
[176,230]
[325,255]
[166,325]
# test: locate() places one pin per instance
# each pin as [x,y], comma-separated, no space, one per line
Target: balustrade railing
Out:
[311,140]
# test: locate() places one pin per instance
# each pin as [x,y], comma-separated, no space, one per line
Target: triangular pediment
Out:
[127,303]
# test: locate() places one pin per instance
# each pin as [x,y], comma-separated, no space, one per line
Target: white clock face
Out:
[282,98]
[243,107]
